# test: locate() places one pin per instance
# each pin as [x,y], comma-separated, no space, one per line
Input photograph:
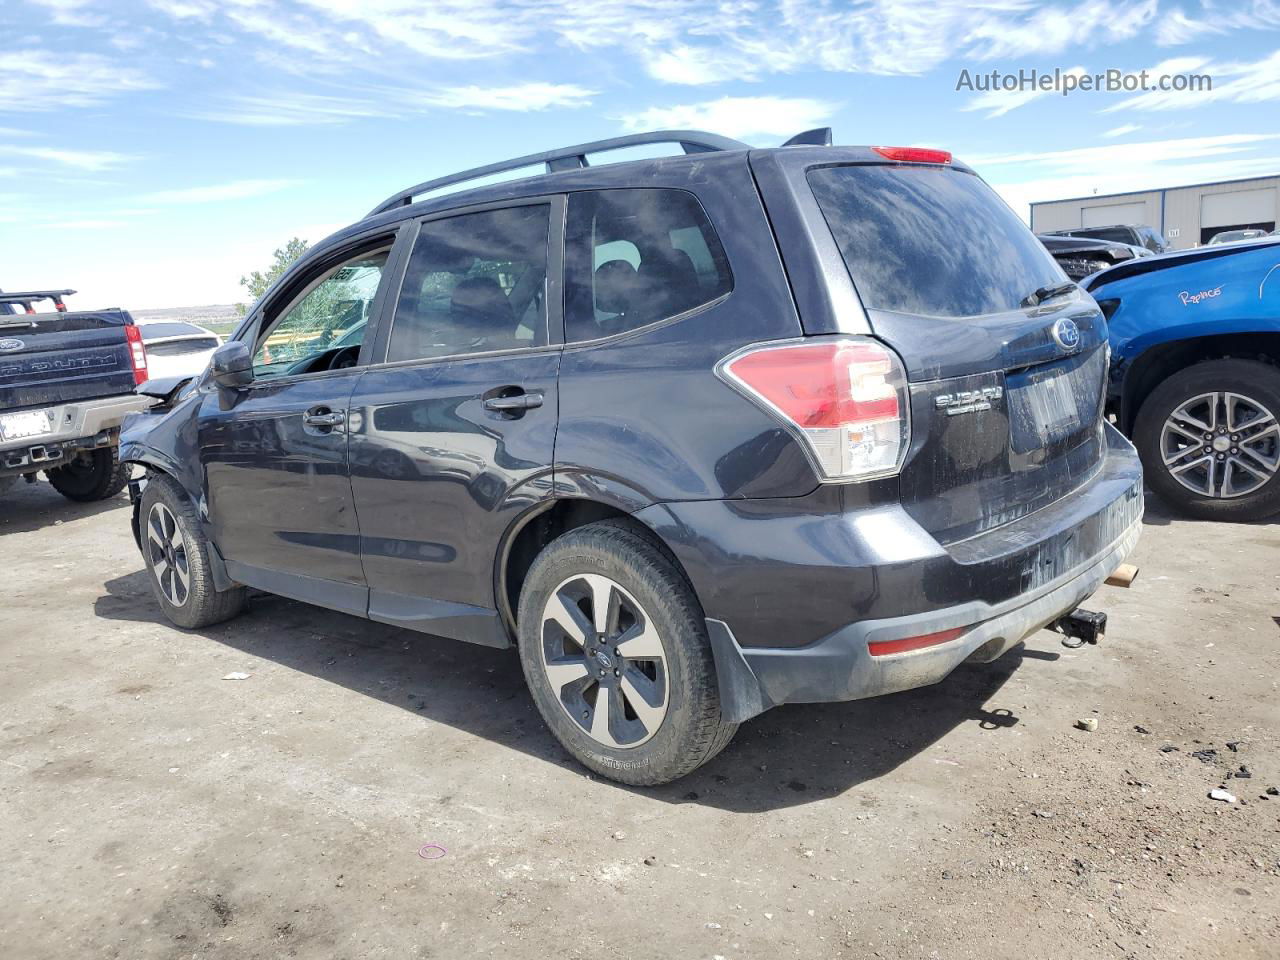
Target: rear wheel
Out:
[91,475]
[1209,437]
[177,558]
[616,655]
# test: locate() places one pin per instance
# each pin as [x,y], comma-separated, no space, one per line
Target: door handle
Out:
[324,417]
[520,401]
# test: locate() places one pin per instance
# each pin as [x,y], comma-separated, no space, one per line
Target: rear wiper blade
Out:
[1041,294]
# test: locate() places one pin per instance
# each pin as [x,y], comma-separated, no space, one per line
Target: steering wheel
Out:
[341,359]
[345,358]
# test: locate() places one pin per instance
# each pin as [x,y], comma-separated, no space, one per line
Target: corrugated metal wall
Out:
[1182,207]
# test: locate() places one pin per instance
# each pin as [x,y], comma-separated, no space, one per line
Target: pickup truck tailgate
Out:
[57,357]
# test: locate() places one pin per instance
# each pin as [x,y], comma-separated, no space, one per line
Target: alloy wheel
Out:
[605,661]
[168,551]
[1221,445]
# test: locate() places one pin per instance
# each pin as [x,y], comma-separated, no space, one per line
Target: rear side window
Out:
[475,283]
[634,257]
[931,241]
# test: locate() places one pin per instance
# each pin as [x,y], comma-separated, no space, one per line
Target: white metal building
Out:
[1187,216]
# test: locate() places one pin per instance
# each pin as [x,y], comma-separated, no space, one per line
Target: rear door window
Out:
[930,241]
[635,257]
[475,283]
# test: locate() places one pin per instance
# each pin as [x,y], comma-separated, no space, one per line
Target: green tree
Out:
[257,282]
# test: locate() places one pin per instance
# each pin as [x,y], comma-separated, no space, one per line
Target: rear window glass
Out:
[637,256]
[162,328]
[1113,234]
[930,241]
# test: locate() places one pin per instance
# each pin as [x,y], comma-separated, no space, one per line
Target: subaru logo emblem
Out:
[604,660]
[8,345]
[1066,334]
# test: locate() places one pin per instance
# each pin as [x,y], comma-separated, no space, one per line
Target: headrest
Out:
[480,302]
[615,285]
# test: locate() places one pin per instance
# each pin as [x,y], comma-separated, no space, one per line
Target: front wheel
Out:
[1209,438]
[616,656]
[91,475]
[177,558]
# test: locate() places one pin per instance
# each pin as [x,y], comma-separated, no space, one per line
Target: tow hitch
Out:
[1080,626]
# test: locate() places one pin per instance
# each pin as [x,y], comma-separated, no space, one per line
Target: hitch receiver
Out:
[1081,626]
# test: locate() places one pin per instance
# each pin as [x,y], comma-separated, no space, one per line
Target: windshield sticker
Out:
[1190,298]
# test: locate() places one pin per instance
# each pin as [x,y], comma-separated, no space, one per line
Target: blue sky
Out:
[152,151]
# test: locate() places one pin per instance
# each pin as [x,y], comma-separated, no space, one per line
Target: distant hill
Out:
[212,313]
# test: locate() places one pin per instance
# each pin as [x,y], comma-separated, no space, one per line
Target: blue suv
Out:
[699,435]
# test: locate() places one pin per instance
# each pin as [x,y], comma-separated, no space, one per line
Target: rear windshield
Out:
[1114,234]
[930,240]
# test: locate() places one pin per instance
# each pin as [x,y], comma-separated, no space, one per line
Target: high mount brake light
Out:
[137,353]
[913,154]
[846,398]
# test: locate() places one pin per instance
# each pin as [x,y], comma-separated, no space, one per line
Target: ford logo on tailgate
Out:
[1066,334]
[8,345]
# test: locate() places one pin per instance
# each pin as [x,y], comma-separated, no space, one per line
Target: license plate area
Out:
[29,423]
[1053,402]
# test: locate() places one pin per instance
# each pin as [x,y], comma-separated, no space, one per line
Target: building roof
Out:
[1134,193]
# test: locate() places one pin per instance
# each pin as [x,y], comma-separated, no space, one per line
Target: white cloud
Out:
[82,225]
[999,102]
[689,42]
[1002,34]
[737,116]
[291,110]
[1026,177]
[1257,81]
[91,160]
[71,13]
[1121,130]
[235,190]
[1177,27]
[525,96]
[34,80]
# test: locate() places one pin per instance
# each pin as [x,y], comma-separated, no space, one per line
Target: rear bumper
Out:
[998,587]
[81,425]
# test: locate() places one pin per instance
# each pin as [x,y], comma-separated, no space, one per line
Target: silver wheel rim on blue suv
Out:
[604,661]
[168,551]
[1221,445]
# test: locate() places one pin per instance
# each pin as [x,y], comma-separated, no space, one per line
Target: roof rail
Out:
[566,158]
[25,298]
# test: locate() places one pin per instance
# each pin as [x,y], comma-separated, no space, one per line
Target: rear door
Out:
[274,455]
[452,434]
[1006,384]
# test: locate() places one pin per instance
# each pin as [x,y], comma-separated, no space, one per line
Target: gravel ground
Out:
[154,809]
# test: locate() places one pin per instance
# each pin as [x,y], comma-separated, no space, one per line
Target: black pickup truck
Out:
[67,380]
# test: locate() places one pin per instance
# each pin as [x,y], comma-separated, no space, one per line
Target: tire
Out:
[92,475]
[666,664]
[171,541]
[1225,399]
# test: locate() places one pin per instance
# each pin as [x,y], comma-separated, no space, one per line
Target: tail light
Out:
[846,399]
[913,154]
[137,353]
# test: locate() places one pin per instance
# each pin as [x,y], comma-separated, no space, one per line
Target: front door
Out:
[274,455]
[452,436]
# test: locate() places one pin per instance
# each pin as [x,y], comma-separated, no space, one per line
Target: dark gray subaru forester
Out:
[700,435]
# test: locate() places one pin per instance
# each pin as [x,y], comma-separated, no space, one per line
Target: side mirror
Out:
[232,365]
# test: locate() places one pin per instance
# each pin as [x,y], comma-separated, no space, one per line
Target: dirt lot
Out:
[153,809]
